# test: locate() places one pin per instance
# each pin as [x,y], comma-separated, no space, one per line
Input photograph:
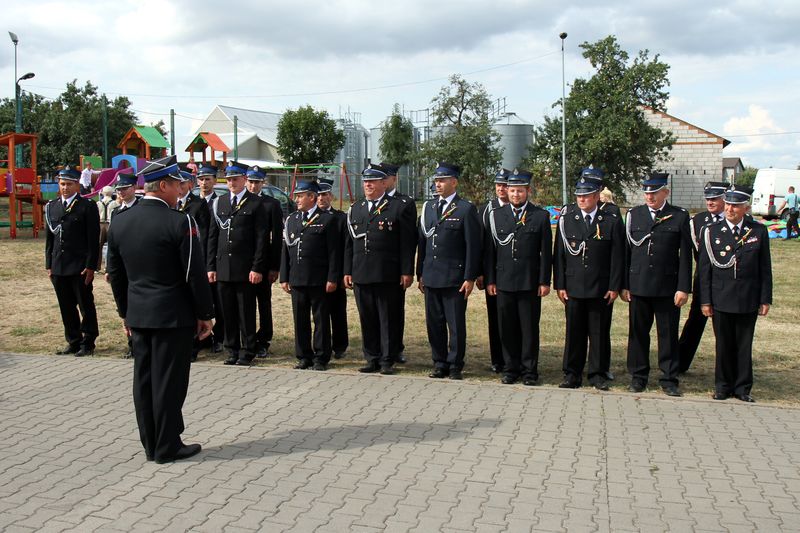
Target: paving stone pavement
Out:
[310,451]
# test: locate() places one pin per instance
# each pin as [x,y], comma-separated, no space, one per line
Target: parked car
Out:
[769,190]
[287,204]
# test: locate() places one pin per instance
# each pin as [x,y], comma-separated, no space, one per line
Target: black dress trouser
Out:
[692,333]
[518,314]
[160,381]
[446,320]
[642,311]
[587,324]
[263,292]
[377,311]
[337,305]
[308,302]
[733,373]
[238,300]
[73,295]
[495,346]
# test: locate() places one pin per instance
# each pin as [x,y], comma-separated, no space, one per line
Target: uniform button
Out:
[230,255]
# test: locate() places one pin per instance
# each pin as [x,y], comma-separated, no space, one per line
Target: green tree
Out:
[397,138]
[71,125]
[605,121]
[747,177]
[308,136]
[463,135]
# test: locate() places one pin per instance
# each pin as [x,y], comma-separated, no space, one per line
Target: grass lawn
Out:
[31,324]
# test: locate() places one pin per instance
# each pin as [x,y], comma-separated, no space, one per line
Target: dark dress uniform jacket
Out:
[452,254]
[385,251]
[601,266]
[526,262]
[119,209]
[662,264]
[739,289]
[198,209]
[77,246]
[315,258]
[244,245]
[156,268]
[275,231]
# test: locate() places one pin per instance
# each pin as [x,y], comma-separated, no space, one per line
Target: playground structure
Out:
[205,140]
[20,185]
[144,142]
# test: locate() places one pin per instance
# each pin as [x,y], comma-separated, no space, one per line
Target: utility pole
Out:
[106,163]
[563,36]
[235,138]
[172,130]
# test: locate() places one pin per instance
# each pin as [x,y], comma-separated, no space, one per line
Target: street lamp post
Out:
[563,36]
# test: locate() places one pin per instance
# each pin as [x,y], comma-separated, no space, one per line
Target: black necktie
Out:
[655,215]
[440,209]
[305,217]
[180,205]
[234,201]
[736,233]
[588,219]
[66,204]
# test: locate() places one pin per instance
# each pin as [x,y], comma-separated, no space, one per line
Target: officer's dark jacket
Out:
[600,266]
[662,264]
[275,215]
[198,209]
[244,246]
[156,268]
[314,255]
[118,208]
[77,246]
[340,217]
[526,261]
[452,254]
[410,214]
[385,252]
[739,289]
[608,207]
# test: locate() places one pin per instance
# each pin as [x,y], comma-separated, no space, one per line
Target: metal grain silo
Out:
[516,135]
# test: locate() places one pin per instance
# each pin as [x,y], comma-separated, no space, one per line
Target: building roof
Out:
[263,123]
[725,142]
[732,162]
[152,136]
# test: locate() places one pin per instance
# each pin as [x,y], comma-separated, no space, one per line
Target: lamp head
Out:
[14,38]
[563,35]
[27,76]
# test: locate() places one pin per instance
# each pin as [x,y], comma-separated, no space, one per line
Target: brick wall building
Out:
[695,158]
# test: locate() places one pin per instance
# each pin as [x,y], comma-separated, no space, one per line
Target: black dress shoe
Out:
[600,384]
[321,367]
[303,364]
[530,382]
[570,382]
[721,395]
[456,375]
[508,380]
[400,359]
[261,353]
[369,369]
[69,350]
[671,390]
[745,398]
[244,362]
[217,347]
[497,369]
[231,360]
[609,376]
[185,452]
[84,352]
[387,370]
[438,373]
[338,355]
[637,386]
[128,355]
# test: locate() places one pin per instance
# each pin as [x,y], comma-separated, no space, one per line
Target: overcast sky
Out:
[734,64]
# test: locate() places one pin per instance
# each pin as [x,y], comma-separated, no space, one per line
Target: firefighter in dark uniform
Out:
[714,193]
[337,300]
[196,208]
[126,198]
[735,289]
[255,184]
[310,270]
[659,279]
[501,199]
[448,262]
[238,260]
[410,213]
[377,258]
[158,275]
[206,178]
[588,271]
[517,267]
[70,257]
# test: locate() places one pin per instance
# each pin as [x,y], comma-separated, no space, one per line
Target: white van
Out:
[769,190]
